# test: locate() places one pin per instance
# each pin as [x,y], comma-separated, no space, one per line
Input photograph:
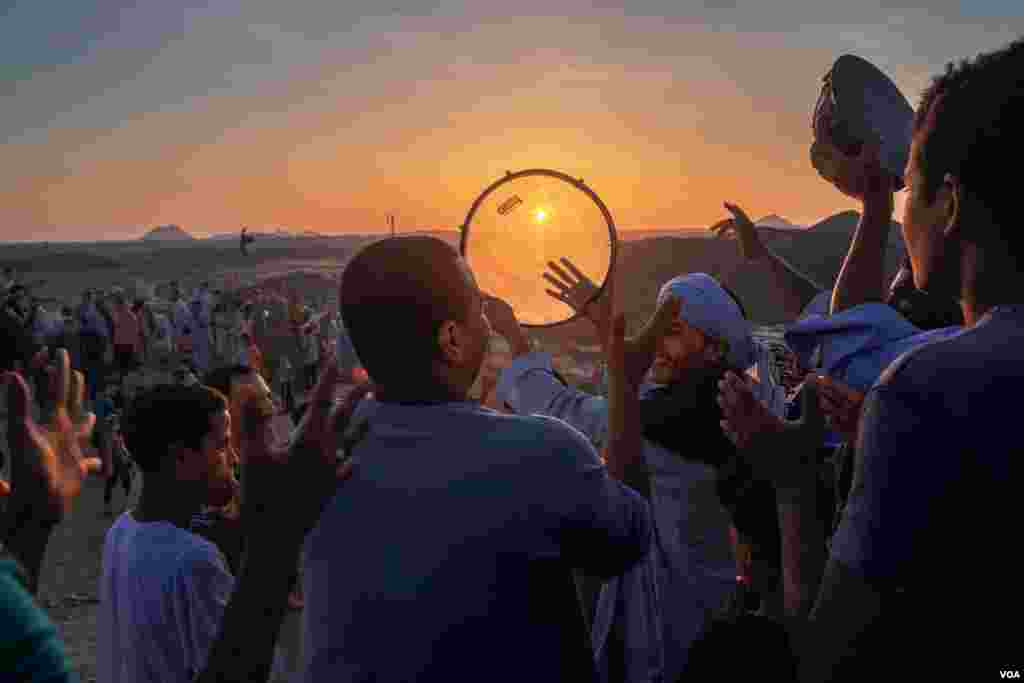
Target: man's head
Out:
[415,317]
[711,332]
[237,383]
[966,130]
[180,437]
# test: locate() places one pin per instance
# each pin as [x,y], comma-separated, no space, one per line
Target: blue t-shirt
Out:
[446,557]
[30,649]
[933,515]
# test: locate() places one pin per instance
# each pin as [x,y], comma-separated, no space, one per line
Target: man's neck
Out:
[159,502]
[423,394]
[989,278]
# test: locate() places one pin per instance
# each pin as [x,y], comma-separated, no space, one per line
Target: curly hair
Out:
[167,415]
[968,124]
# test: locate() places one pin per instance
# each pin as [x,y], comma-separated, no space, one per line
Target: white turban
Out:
[709,308]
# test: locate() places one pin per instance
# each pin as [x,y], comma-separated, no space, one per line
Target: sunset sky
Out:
[329,115]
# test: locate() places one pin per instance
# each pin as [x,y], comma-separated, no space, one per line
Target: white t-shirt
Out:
[162,595]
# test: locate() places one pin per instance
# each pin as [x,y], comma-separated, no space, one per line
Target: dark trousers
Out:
[287,396]
[93,346]
[121,472]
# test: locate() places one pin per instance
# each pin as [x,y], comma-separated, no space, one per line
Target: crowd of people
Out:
[697,523]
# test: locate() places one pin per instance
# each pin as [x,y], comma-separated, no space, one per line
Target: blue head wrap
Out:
[710,309]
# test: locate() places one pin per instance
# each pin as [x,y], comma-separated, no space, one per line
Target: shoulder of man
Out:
[916,364]
[550,433]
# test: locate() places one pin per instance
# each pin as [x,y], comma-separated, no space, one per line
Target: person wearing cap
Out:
[646,619]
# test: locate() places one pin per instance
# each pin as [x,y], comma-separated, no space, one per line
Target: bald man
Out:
[470,520]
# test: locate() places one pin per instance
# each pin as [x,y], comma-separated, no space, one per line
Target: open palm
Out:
[47,467]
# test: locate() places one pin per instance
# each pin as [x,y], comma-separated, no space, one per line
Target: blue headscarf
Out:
[859,343]
[713,311]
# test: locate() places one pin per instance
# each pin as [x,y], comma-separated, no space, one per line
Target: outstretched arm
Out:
[276,526]
[862,277]
[859,177]
[797,289]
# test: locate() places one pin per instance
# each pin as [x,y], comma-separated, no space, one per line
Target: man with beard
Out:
[646,620]
[474,520]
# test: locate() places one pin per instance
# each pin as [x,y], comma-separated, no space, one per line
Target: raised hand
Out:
[625,441]
[751,246]
[284,489]
[841,405]
[47,465]
[576,290]
[780,451]
[857,175]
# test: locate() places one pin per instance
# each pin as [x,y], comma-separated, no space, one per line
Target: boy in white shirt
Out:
[163,589]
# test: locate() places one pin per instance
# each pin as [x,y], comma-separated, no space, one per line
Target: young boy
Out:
[163,589]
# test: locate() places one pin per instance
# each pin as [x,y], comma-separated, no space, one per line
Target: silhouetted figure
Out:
[244,241]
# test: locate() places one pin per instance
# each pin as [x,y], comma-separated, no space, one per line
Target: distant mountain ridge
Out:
[777,222]
[167,233]
[278,234]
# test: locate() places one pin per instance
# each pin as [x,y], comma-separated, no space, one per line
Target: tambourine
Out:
[526,219]
[858,103]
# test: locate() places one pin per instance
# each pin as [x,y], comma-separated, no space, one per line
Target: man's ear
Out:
[951,192]
[449,341]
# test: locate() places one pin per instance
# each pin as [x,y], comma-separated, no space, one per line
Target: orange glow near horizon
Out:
[664,120]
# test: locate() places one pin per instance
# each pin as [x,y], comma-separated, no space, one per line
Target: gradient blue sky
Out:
[329,115]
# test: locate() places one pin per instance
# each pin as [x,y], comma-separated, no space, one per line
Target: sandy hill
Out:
[167,233]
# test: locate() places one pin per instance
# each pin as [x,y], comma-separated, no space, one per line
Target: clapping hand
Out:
[285,489]
[842,406]
[47,465]
[751,246]
[781,451]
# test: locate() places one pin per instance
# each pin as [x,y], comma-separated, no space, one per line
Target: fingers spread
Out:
[557,283]
[18,397]
[62,361]
[574,270]
[570,281]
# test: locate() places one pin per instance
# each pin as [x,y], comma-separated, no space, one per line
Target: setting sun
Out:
[541,215]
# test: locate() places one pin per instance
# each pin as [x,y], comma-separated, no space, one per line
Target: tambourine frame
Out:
[575,182]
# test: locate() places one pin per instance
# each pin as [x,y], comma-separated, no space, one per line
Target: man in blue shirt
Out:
[95,335]
[462,525]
